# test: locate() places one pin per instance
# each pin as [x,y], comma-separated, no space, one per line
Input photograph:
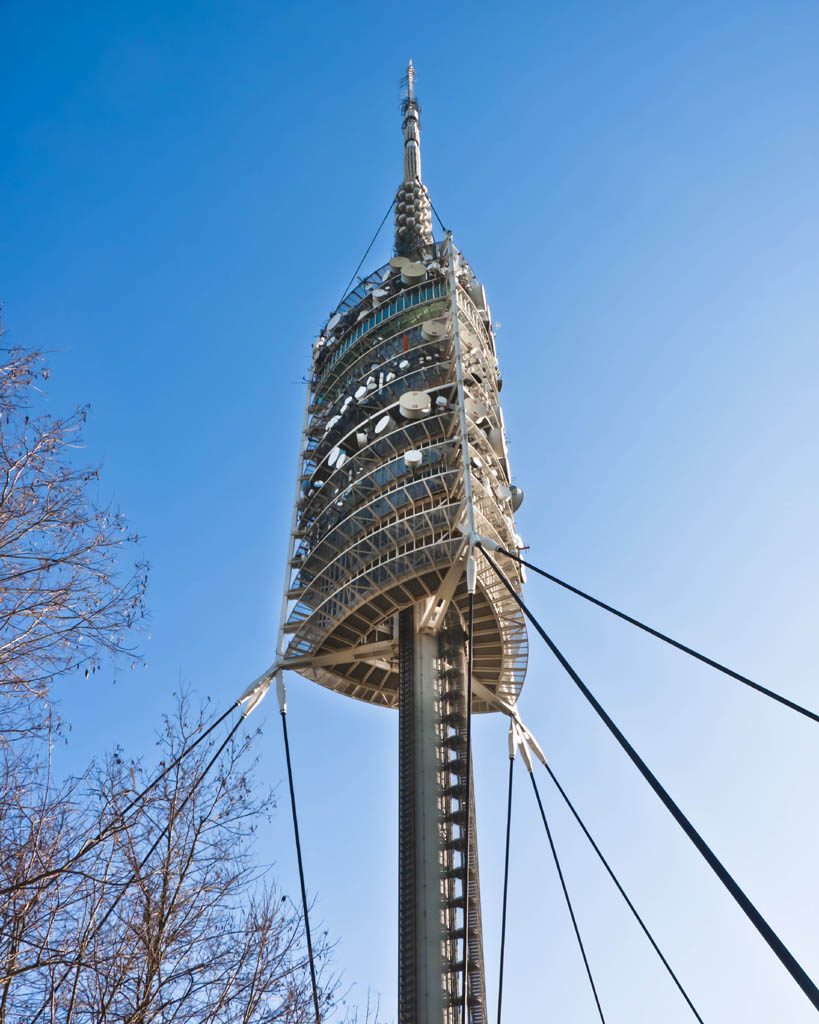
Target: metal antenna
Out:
[412,130]
[413,207]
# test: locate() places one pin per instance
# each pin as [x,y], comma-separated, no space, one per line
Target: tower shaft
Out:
[432,815]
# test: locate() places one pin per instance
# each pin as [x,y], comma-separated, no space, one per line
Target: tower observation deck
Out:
[403,460]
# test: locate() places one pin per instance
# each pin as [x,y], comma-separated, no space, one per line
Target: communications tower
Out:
[403,463]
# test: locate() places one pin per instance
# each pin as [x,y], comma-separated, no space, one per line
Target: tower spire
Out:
[413,209]
[412,129]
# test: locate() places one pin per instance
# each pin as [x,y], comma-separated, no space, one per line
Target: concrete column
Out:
[432,813]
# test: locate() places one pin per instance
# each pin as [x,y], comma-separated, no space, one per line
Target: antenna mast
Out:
[413,207]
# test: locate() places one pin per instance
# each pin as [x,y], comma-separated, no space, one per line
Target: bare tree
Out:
[166,920]
[63,599]
[165,917]
[35,828]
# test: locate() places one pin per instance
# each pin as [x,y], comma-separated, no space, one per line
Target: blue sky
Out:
[186,188]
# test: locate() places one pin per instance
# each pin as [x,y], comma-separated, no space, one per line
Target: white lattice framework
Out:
[384,502]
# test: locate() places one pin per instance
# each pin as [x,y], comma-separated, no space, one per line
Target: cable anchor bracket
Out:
[258,689]
[524,739]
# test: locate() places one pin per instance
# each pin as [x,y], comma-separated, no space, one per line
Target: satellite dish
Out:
[404,364]
[360,392]
[495,436]
[468,338]
[414,405]
[517,497]
[475,410]
[383,424]
[361,438]
[399,262]
[334,321]
[371,385]
[503,492]
[390,376]
[341,459]
[441,401]
[331,423]
[413,273]
[332,458]
[435,330]
[413,458]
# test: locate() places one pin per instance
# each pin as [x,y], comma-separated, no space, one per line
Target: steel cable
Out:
[667,639]
[366,254]
[309,937]
[568,899]
[118,823]
[782,952]
[93,928]
[437,217]
[622,892]
[505,888]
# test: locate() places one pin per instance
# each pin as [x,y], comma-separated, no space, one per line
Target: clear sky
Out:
[186,188]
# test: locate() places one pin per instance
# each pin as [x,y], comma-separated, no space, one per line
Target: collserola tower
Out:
[403,461]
